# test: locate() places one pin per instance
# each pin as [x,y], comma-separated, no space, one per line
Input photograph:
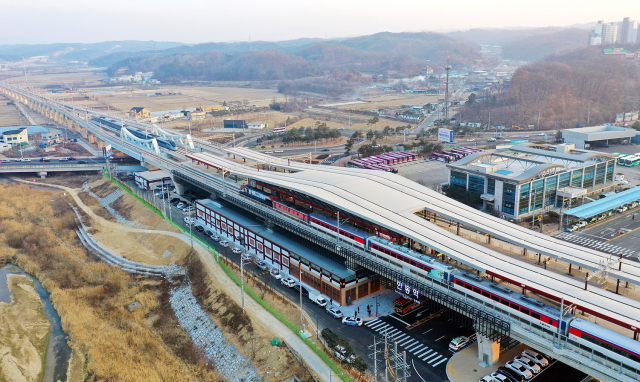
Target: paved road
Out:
[620,234]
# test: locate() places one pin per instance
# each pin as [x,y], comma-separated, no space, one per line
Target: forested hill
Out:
[563,88]
[402,53]
[527,44]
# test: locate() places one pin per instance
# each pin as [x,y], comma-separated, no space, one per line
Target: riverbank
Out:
[109,341]
[25,332]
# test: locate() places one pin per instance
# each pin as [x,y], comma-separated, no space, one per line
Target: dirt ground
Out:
[191,97]
[390,100]
[25,332]
[72,80]
[9,114]
[270,117]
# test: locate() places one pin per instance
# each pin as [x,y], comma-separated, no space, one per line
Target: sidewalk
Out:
[464,366]
[385,299]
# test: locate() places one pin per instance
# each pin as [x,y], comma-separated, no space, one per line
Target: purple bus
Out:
[389,158]
[455,155]
[440,157]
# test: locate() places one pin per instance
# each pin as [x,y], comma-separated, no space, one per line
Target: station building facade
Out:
[530,179]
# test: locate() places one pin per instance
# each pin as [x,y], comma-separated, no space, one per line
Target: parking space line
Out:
[433,360]
[439,362]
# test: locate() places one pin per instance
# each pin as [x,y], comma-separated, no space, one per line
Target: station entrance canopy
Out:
[571,192]
[600,206]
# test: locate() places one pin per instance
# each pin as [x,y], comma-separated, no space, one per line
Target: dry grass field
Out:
[390,100]
[72,80]
[90,296]
[191,97]
[25,332]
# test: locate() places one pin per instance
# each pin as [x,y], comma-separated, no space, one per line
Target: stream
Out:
[58,352]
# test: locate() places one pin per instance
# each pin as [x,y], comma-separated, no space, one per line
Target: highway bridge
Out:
[391,202]
[55,165]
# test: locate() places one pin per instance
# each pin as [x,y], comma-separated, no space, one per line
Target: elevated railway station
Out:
[375,221]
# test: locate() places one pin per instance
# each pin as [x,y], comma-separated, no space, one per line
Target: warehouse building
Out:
[530,179]
[597,136]
[150,180]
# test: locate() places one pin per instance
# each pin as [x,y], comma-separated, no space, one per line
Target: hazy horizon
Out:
[197,21]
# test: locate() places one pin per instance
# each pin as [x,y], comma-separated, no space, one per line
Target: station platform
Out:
[464,366]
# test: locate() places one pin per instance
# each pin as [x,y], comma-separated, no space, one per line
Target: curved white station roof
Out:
[364,193]
[403,195]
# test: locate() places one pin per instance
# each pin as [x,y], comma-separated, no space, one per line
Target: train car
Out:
[348,232]
[524,307]
[257,195]
[292,211]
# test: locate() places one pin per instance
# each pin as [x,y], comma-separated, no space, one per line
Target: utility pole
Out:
[446,100]
[242,279]
[539,111]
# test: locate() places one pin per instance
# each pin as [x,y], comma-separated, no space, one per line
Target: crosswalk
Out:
[596,244]
[408,343]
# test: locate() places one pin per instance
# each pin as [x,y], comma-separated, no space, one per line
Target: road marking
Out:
[369,323]
[393,332]
[416,348]
[406,323]
[406,342]
[378,324]
[401,337]
[439,362]
[440,338]
[433,360]
[426,351]
[430,356]
[428,331]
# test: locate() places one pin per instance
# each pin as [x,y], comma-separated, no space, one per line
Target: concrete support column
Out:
[488,351]
[179,186]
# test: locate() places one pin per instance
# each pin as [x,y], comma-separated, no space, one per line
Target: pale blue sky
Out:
[193,21]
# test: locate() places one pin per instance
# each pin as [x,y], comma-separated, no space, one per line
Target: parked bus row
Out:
[629,160]
[384,162]
[453,155]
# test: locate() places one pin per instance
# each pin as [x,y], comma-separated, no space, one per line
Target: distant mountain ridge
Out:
[528,44]
[80,51]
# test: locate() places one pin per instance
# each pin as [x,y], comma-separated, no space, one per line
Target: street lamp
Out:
[190,226]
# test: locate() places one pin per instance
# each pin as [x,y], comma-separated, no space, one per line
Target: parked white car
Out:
[236,250]
[535,357]
[224,243]
[528,364]
[519,369]
[335,312]
[621,209]
[289,282]
[320,301]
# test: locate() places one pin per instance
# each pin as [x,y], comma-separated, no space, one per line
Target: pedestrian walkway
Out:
[597,244]
[413,347]
[384,298]
[464,366]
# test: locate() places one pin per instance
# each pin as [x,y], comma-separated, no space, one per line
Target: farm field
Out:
[390,100]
